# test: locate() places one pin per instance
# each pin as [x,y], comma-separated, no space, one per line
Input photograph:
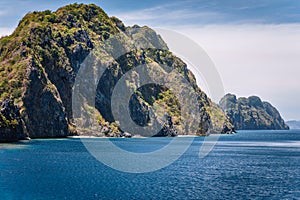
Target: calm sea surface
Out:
[248,165]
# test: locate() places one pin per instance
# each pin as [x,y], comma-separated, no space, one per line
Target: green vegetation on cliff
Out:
[40,60]
[251,113]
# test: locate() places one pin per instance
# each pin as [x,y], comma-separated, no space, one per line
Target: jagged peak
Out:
[79,13]
[252,113]
[81,9]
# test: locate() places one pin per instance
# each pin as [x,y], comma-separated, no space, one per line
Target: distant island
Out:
[252,114]
[41,58]
[293,124]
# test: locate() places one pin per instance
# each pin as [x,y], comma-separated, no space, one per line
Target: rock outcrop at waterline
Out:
[252,113]
[39,63]
[10,122]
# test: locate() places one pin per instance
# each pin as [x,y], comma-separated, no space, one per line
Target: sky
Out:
[254,44]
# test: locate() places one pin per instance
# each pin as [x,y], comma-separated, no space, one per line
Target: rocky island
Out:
[252,114]
[293,124]
[41,58]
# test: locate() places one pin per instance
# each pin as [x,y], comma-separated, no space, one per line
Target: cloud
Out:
[192,12]
[171,14]
[6,31]
[3,12]
[163,15]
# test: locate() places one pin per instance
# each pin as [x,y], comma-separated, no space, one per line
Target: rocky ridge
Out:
[252,114]
[39,63]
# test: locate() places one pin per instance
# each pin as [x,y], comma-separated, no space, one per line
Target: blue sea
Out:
[248,165]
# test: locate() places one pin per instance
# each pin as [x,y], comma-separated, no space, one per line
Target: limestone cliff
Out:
[40,60]
[251,113]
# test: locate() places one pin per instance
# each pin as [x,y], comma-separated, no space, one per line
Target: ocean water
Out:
[248,165]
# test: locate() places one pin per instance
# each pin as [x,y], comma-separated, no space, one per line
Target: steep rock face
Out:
[251,113]
[45,113]
[40,60]
[10,122]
